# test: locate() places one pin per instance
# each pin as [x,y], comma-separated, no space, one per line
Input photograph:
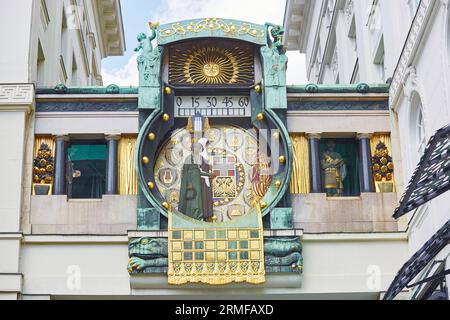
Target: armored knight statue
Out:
[334,171]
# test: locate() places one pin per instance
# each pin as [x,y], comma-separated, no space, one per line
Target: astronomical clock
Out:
[213,156]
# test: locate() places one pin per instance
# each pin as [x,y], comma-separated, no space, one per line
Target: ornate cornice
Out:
[15,97]
[418,27]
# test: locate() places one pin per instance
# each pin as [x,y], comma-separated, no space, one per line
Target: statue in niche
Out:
[196,200]
[334,171]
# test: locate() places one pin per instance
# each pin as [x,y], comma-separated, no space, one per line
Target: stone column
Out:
[111,164]
[314,163]
[60,185]
[365,167]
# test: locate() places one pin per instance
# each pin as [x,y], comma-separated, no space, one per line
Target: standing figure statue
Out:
[149,62]
[334,171]
[274,65]
[196,199]
[149,65]
[275,57]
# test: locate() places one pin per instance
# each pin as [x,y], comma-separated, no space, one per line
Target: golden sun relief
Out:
[211,63]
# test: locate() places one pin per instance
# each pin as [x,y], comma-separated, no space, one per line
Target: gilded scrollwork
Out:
[212,24]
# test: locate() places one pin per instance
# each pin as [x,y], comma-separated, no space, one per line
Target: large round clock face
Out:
[239,171]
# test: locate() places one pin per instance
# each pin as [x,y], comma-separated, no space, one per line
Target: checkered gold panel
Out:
[216,256]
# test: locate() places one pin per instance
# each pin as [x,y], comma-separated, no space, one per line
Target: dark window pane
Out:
[86,170]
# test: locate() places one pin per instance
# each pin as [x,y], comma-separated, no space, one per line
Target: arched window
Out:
[417,130]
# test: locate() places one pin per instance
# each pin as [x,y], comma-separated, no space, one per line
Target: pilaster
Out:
[16,106]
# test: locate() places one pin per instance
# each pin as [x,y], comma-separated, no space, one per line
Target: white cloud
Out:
[126,76]
[257,11]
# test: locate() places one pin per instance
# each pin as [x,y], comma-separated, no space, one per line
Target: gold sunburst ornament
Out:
[211,65]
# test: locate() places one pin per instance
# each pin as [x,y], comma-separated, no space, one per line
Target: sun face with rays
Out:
[211,65]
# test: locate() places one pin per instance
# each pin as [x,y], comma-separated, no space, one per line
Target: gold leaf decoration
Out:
[213,25]
[211,63]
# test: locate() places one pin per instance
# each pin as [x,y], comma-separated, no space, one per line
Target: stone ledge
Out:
[370,213]
[11,282]
[54,215]
[159,281]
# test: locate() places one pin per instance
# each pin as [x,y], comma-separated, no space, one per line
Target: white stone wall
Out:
[336,266]
[60,35]
[416,57]
[422,83]
[16,104]
[348,41]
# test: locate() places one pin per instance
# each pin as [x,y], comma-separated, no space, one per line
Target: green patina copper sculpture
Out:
[147,253]
[275,62]
[150,255]
[149,65]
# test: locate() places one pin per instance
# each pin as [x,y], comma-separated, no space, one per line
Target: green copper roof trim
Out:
[111,89]
[339,88]
[212,28]
[309,88]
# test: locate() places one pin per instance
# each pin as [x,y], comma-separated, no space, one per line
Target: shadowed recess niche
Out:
[211,63]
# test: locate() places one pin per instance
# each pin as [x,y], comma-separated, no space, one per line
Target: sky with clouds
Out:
[136,14]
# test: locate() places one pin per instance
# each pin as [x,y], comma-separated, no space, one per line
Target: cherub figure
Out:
[145,43]
[149,60]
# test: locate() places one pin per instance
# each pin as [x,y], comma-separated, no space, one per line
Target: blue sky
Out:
[137,13]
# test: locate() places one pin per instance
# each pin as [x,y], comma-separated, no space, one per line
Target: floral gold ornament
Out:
[211,63]
[213,24]
[382,164]
[43,170]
